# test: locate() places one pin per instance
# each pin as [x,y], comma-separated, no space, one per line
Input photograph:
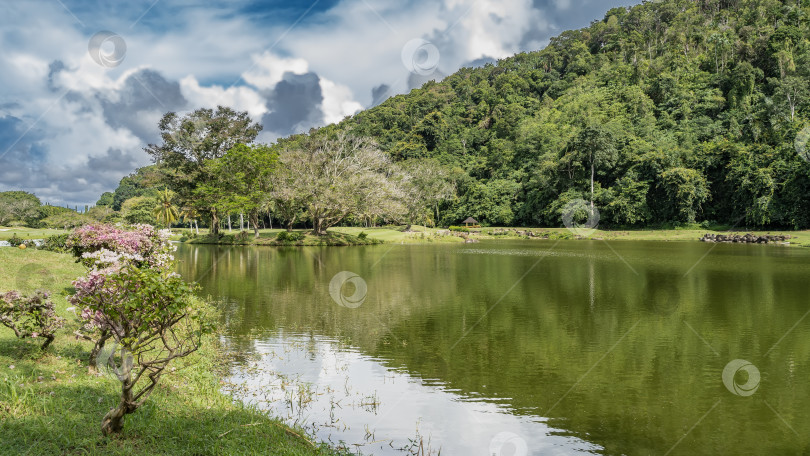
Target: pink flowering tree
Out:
[131,296]
[101,245]
[104,248]
[30,316]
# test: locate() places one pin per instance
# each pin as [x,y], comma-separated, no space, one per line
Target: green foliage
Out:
[21,207]
[190,143]
[240,181]
[15,241]
[56,243]
[143,182]
[461,229]
[106,199]
[293,236]
[30,316]
[139,209]
[660,108]
[165,211]
[66,219]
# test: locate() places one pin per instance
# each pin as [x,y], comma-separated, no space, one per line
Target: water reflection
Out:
[620,345]
[341,395]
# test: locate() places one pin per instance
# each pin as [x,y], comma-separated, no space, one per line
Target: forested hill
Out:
[687,111]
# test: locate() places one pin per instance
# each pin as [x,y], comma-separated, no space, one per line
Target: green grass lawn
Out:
[27,233]
[50,404]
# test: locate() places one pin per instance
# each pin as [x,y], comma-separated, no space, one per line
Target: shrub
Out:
[363,235]
[293,236]
[150,315]
[15,241]
[102,245]
[56,243]
[131,297]
[461,229]
[30,316]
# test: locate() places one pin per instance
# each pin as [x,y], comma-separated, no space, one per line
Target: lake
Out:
[521,347]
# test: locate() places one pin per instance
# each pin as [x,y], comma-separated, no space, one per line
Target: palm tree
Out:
[165,210]
[189,213]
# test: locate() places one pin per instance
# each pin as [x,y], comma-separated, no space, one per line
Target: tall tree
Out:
[165,211]
[241,179]
[338,170]
[191,141]
[596,145]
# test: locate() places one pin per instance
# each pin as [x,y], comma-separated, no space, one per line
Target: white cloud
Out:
[268,69]
[337,102]
[238,97]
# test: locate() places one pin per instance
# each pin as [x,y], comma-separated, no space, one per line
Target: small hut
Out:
[471,223]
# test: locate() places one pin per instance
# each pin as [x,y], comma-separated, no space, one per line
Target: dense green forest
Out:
[687,110]
[670,112]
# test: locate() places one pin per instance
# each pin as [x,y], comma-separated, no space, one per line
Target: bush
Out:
[56,243]
[132,297]
[293,236]
[461,229]
[30,316]
[102,245]
[151,316]
[15,241]
[363,235]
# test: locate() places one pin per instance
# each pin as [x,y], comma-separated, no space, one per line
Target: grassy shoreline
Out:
[340,236]
[50,404]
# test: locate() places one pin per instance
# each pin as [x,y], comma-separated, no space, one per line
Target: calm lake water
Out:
[522,347]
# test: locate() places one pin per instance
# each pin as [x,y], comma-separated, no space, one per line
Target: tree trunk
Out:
[253,218]
[113,421]
[592,173]
[214,222]
[102,339]
[229,223]
[196,227]
[48,340]
[241,222]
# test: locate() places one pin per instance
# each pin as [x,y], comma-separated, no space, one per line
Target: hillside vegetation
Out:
[681,110]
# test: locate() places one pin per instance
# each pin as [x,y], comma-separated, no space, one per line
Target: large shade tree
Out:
[189,142]
[339,171]
[241,181]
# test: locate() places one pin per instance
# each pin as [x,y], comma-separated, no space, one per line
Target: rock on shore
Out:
[747,238]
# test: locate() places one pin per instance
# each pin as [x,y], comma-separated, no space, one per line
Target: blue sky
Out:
[74,118]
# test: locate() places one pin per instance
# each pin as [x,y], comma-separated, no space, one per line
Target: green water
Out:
[569,347]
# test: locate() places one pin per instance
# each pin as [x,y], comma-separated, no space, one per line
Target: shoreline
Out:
[353,236]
